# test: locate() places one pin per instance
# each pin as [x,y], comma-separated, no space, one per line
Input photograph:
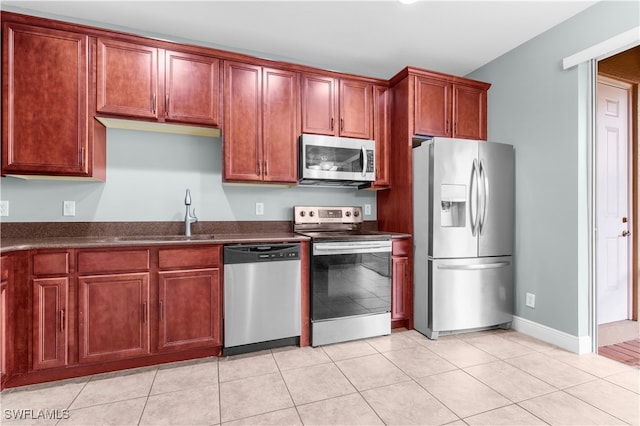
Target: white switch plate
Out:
[4,208]
[531,300]
[68,208]
[259,209]
[367,209]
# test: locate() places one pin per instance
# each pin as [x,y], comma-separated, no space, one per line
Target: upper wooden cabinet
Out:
[336,107]
[260,124]
[135,80]
[450,109]
[192,88]
[127,79]
[382,135]
[46,124]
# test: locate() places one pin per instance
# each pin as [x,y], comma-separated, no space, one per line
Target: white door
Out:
[612,205]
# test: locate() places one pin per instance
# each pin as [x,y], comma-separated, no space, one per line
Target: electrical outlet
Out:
[68,208]
[531,300]
[259,209]
[4,208]
[367,209]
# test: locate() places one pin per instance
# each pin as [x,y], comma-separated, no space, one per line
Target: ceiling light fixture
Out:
[408,1]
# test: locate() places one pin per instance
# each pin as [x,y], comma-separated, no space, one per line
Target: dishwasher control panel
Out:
[250,253]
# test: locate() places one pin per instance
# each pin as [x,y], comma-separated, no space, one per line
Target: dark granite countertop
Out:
[15,244]
[53,235]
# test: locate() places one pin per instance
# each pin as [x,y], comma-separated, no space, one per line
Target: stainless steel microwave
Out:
[335,161]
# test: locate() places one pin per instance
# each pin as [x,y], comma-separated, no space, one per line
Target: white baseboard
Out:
[576,344]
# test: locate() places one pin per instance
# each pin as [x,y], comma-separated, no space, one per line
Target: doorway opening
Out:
[617,195]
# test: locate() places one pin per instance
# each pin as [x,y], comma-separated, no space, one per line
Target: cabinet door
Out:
[242,122]
[5,265]
[126,79]
[355,109]
[192,88]
[432,107]
[113,316]
[280,125]
[190,309]
[469,112]
[50,322]
[400,275]
[45,76]
[319,105]
[381,134]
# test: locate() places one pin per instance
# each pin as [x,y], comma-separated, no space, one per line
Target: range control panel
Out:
[307,214]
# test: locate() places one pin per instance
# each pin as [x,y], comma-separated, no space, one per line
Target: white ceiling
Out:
[374,38]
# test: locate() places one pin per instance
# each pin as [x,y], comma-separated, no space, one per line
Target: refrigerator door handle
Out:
[485,195]
[494,265]
[473,198]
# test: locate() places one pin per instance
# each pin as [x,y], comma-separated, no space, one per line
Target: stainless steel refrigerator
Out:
[463,218]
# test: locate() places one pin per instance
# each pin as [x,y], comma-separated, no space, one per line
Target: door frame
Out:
[632,189]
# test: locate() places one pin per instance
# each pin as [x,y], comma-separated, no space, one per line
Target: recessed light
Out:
[408,1]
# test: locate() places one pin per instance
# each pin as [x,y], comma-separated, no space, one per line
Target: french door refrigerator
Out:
[463,218]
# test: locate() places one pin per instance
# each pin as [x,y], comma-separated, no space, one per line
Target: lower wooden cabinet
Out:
[401,284]
[50,310]
[113,316]
[5,276]
[189,309]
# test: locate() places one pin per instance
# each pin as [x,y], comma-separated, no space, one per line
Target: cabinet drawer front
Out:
[51,263]
[113,261]
[401,246]
[191,257]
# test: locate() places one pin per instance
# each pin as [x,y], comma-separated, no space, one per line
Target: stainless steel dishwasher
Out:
[261,297]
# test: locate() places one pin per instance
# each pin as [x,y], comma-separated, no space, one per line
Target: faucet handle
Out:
[187,198]
[193,214]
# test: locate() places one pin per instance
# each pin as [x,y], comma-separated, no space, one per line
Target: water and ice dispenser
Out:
[453,202]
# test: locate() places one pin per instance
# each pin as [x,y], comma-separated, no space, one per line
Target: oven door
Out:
[350,278]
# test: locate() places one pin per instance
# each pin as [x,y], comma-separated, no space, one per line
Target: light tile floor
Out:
[488,378]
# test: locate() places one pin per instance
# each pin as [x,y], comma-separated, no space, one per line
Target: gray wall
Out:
[147,175]
[541,109]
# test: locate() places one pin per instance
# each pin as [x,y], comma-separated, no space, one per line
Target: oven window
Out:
[350,284]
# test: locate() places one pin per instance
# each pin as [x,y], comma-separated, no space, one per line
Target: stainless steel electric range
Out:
[350,274]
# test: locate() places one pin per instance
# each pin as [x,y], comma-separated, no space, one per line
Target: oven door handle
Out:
[324,248]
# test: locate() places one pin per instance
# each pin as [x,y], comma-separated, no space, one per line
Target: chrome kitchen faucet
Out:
[189,217]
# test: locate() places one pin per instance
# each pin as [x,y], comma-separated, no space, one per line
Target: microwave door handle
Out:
[363,160]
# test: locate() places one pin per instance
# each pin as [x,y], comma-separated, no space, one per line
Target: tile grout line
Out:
[293,401]
[147,398]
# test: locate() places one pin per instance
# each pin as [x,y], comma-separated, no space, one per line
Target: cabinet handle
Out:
[259,167]
[266,168]
[144,312]
[331,123]
[161,310]
[61,320]
[166,105]
[341,123]
[455,128]
[81,156]
[153,103]
[446,127]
